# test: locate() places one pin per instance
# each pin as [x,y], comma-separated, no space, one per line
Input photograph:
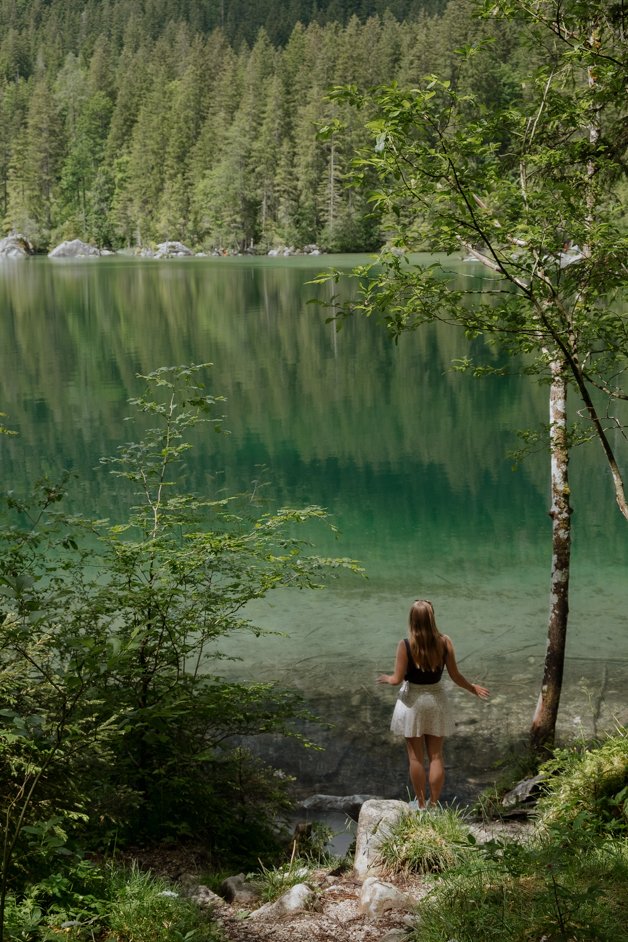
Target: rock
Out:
[396,935]
[296,899]
[376,819]
[173,250]
[378,897]
[236,890]
[524,791]
[345,804]
[75,248]
[15,246]
[204,897]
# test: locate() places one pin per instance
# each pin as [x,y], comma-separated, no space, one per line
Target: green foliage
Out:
[122,905]
[172,128]
[521,893]
[114,720]
[587,789]
[426,842]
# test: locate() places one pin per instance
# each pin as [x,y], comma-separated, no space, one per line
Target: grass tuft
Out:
[426,842]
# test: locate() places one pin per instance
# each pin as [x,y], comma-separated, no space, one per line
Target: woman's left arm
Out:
[401,666]
[456,676]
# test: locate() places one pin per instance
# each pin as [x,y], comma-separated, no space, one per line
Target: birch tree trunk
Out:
[543,727]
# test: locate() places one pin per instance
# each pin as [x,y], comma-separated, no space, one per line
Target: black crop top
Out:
[415,675]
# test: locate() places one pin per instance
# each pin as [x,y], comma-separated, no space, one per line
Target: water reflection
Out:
[409,457]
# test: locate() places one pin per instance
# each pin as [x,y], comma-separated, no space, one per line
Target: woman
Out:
[422,713]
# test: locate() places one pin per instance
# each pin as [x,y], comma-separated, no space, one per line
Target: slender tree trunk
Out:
[543,728]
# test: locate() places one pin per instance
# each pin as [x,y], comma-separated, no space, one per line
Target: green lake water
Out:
[409,457]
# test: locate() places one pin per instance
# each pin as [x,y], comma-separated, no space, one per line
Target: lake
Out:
[410,459]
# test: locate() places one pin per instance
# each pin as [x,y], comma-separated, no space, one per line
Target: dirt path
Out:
[335,917]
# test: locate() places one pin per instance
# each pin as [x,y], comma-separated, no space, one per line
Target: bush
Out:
[587,788]
[119,905]
[115,722]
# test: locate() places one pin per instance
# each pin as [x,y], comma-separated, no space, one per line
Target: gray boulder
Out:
[204,897]
[236,890]
[74,248]
[15,246]
[345,804]
[173,250]
[378,897]
[295,900]
[374,824]
[524,792]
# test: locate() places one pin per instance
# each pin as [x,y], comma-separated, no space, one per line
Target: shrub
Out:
[587,788]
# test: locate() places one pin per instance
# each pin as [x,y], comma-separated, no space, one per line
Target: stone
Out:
[524,791]
[374,824]
[74,248]
[15,246]
[345,804]
[378,897]
[173,249]
[295,900]
[236,890]
[204,897]
[395,935]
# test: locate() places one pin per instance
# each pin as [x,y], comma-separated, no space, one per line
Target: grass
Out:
[530,893]
[429,842]
[309,853]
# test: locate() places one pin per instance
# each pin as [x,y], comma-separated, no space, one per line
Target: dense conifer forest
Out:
[126,123]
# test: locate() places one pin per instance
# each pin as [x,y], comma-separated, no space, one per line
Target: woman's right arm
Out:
[401,666]
[456,676]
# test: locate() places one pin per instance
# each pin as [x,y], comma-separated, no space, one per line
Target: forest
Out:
[126,124]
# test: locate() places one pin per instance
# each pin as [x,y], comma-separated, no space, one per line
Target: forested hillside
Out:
[127,123]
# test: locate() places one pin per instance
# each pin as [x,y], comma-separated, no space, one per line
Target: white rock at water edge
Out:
[74,248]
[15,245]
[173,250]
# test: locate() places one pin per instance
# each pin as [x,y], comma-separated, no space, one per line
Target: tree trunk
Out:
[544,722]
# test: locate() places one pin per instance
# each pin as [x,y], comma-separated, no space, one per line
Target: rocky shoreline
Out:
[17,246]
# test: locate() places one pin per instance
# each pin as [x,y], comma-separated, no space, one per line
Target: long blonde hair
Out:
[426,642]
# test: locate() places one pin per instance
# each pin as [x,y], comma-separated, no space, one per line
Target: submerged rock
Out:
[15,245]
[74,248]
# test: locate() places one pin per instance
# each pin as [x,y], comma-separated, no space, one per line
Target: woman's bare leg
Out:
[417,772]
[437,767]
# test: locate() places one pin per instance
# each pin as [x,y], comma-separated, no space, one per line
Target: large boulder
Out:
[74,248]
[15,246]
[345,804]
[374,824]
[173,250]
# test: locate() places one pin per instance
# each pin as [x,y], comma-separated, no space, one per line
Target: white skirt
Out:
[426,710]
